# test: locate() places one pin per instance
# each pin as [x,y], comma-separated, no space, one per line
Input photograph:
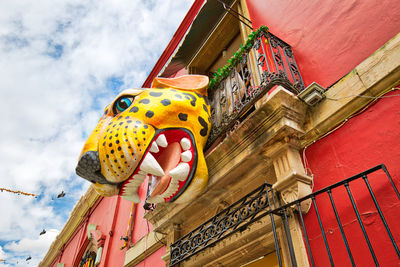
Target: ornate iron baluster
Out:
[227,107]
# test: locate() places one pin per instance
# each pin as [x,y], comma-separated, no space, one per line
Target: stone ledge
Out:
[139,251]
[374,77]
[75,219]
[237,157]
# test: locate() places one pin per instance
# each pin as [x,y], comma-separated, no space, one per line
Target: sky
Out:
[61,62]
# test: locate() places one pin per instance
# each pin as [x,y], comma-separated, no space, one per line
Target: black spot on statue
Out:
[193,102]
[145,126]
[165,102]
[203,132]
[182,116]
[205,108]
[198,95]
[149,114]
[144,101]
[178,96]
[156,94]
[206,100]
[134,109]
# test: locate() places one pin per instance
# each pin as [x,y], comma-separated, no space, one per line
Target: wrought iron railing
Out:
[266,62]
[238,216]
[264,201]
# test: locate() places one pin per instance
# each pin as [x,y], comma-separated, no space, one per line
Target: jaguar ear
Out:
[197,83]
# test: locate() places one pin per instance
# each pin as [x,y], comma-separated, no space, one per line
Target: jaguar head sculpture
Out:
[158,133]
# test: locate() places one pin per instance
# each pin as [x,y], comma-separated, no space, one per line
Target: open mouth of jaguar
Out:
[169,163]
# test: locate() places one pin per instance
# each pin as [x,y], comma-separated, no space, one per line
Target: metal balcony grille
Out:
[237,217]
[267,62]
[264,201]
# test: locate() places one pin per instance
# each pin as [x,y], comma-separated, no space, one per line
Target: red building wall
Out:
[363,142]
[329,38]
[111,215]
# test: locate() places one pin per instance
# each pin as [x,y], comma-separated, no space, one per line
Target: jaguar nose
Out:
[89,168]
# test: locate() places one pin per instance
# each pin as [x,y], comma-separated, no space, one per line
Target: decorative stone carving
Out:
[98,239]
[292,181]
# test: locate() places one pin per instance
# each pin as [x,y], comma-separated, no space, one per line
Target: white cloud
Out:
[3,255]
[33,246]
[56,58]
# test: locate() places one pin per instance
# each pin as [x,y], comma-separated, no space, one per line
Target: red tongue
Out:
[168,160]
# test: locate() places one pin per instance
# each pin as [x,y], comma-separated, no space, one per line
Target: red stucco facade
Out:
[364,141]
[329,38]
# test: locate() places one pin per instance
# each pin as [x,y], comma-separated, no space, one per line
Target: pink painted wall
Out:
[329,38]
[111,214]
[364,141]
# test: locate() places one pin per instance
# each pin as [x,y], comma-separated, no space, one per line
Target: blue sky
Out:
[61,62]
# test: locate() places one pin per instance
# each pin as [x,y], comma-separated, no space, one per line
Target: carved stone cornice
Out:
[78,214]
[237,165]
[143,248]
[237,158]
[291,179]
[373,77]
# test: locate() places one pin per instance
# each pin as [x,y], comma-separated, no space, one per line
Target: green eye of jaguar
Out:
[123,103]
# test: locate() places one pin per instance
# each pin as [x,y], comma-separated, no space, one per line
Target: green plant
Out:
[224,71]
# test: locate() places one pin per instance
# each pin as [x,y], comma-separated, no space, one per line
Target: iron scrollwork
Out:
[274,65]
[234,218]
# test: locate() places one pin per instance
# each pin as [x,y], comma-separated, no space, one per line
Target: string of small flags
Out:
[2,189]
[17,192]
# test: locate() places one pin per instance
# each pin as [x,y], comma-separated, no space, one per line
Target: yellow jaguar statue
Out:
[158,133]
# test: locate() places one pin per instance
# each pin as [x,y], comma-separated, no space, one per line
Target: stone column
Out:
[292,183]
[173,234]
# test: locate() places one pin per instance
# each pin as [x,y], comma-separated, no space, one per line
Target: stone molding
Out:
[143,248]
[78,215]
[373,77]
[292,182]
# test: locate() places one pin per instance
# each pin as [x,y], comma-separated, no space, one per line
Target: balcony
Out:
[263,62]
[346,200]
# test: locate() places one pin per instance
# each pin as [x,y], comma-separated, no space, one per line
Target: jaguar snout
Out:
[89,168]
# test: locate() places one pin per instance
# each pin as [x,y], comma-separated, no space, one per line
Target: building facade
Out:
[303,156]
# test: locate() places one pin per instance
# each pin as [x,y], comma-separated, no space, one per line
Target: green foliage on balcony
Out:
[224,71]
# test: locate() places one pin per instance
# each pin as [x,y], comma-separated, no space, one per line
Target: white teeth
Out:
[172,188]
[129,192]
[180,172]
[162,141]
[132,198]
[154,148]
[150,165]
[185,143]
[136,180]
[186,156]
[155,199]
